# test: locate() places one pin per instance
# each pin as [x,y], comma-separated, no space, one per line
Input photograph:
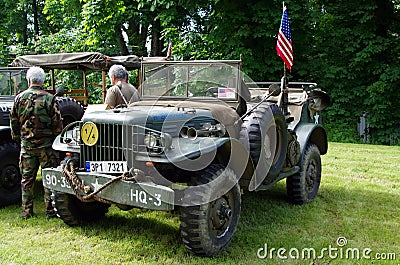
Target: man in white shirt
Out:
[121,91]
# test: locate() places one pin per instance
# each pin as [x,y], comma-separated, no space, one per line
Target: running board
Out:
[281,176]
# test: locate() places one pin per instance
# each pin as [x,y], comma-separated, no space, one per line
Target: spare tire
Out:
[70,110]
[264,133]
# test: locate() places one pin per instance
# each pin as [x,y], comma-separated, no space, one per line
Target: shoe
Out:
[26,216]
[51,215]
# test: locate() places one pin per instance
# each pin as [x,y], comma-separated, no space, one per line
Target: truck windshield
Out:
[194,79]
[12,82]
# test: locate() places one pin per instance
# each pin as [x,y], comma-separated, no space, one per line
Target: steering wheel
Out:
[120,106]
[211,91]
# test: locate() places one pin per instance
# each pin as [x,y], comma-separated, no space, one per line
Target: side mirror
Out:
[274,90]
[59,92]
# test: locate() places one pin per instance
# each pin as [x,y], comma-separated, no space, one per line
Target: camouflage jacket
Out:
[35,118]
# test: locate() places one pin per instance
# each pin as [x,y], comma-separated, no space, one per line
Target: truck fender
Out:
[200,153]
[238,160]
[311,133]
[58,145]
[227,151]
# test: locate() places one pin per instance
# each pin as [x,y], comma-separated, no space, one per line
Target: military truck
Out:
[10,188]
[202,134]
[13,81]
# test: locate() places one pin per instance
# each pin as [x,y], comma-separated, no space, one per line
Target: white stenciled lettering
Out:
[64,183]
[143,197]
[158,198]
[53,180]
[134,195]
[48,179]
[5,108]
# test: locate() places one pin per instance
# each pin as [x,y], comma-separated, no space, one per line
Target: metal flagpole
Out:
[285,92]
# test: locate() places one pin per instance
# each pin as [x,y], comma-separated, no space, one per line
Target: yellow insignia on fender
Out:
[89,133]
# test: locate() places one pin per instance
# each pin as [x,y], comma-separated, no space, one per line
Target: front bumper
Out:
[143,195]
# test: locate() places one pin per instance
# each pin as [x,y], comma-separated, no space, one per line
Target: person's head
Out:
[117,73]
[35,76]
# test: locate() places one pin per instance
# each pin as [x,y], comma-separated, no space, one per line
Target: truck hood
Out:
[168,119]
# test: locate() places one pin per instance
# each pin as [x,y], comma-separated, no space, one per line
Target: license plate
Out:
[106,166]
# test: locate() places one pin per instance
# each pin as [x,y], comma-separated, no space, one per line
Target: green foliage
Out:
[100,19]
[351,49]
[63,41]
[64,14]
[356,65]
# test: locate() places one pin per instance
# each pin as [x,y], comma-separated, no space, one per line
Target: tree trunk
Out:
[121,41]
[25,29]
[383,17]
[35,18]
[156,44]
[137,34]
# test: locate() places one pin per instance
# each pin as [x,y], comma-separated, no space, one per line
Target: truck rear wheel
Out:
[10,177]
[209,228]
[75,212]
[303,187]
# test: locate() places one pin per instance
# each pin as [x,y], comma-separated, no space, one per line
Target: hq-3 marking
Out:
[135,195]
[141,197]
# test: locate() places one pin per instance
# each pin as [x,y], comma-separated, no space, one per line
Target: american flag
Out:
[284,43]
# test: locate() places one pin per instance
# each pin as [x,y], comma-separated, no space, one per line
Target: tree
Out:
[357,62]
[350,48]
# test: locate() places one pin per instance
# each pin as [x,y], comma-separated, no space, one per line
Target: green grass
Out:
[358,199]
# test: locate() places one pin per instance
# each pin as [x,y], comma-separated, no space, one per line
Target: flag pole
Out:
[284,65]
[285,51]
[285,92]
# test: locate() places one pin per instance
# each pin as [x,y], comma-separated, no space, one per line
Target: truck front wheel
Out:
[209,227]
[75,212]
[303,187]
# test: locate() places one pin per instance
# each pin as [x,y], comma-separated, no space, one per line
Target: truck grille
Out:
[5,119]
[116,142]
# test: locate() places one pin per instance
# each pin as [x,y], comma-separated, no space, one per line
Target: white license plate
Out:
[106,166]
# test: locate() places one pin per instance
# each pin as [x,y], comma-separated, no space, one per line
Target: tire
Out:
[74,212]
[208,228]
[10,177]
[303,187]
[254,133]
[70,110]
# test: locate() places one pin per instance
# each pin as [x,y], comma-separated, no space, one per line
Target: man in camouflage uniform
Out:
[35,122]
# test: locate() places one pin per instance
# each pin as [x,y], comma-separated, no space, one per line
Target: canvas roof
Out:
[77,61]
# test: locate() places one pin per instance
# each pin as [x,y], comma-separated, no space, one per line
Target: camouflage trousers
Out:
[30,160]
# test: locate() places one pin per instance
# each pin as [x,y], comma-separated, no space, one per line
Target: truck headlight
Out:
[166,140]
[157,142]
[150,140]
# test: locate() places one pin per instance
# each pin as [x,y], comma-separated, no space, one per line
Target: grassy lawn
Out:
[358,203]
